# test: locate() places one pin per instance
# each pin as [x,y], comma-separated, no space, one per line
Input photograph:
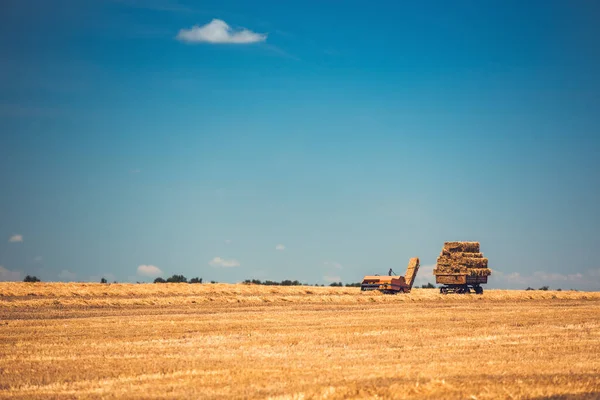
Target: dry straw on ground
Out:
[244,341]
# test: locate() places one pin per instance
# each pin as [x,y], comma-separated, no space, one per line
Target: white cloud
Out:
[218,31]
[149,270]
[424,275]
[588,280]
[333,264]
[280,247]
[8,275]
[38,259]
[66,275]
[227,241]
[328,278]
[16,239]
[223,263]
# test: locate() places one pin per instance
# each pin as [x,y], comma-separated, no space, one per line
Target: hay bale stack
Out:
[462,258]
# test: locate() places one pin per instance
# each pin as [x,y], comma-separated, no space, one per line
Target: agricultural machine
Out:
[461,267]
[392,284]
[460,283]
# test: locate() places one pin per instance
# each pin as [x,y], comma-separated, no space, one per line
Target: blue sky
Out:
[353,136]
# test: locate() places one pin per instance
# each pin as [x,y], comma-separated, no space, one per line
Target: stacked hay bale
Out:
[462,258]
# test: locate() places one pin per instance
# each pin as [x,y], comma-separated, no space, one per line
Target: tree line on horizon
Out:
[182,279]
[288,282]
[178,279]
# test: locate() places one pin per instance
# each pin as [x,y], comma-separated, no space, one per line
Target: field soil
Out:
[221,341]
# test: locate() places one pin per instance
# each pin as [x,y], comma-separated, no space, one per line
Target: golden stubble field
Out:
[238,341]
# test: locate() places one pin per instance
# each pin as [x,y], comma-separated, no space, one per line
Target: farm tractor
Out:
[392,283]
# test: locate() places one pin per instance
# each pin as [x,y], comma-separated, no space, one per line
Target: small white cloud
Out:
[15,239]
[38,259]
[585,280]
[227,241]
[333,264]
[149,270]
[66,275]
[223,263]
[332,278]
[8,275]
[218,31]
[280,247]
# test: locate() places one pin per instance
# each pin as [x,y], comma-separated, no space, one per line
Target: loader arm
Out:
[411,271]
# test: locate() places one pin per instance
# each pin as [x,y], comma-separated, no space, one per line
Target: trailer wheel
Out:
[478,290]
[443,290]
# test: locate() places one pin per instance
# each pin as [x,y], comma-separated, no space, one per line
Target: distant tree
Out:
[115,282]
[214,282]
[159,280]
[177,279]
[336,284]
[428,286]
[545,288]
[103,280]
[285,282]
[196,280]
[288,282]
[559,290]
[355,284]
[529,288]
[30,278]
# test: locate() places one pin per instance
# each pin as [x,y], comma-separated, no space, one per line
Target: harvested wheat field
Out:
[243,341]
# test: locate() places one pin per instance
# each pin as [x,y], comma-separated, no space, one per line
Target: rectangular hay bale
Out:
[462,262]
[459,269]
[447,254]
[462,247]
[450,270]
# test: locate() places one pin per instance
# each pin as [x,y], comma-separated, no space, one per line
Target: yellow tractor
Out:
[392,283]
